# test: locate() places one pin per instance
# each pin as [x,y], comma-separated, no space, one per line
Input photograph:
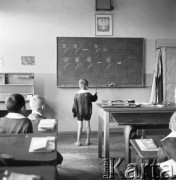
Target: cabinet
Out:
[22,83]
[170,74]
[168,48]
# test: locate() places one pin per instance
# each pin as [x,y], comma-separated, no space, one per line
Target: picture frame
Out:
[103,24]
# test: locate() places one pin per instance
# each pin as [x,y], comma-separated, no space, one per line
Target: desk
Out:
[18,147]
[46,172]
[132,119]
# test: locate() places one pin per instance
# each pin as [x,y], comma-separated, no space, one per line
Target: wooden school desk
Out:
[132,119]
[18,147]
[46,172]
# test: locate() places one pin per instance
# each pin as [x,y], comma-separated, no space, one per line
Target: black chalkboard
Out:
[119,61]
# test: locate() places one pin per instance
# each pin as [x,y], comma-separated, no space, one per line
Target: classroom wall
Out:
[30,28]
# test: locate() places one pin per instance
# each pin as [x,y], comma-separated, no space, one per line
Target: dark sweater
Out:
[35,119]
[82,106]
[15,126]
[167,150]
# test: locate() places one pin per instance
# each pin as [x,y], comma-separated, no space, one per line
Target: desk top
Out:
[18,147]
[165,108]
[142,119]
[46,172]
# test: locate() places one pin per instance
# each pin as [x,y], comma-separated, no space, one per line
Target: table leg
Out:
[127,134]
[106,134]
[100,121]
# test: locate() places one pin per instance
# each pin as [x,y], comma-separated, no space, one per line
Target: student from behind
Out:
[167,149]
[82,109]
[37,104]
[15,122]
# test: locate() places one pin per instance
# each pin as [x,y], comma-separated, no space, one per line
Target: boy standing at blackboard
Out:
[82,109]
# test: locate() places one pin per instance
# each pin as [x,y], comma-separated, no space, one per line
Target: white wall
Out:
[30,28]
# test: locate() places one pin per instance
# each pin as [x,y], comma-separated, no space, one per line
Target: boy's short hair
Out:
[14,103]
[83,83]
[172,123]
[36,102]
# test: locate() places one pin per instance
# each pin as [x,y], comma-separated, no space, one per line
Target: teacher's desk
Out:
[132,119]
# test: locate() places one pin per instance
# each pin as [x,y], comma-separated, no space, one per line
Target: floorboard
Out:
[82,162]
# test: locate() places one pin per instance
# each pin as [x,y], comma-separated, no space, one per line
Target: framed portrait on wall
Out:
[103,24]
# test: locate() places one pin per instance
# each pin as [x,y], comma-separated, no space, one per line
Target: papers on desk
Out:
[145,104]
[146,144]
[19,176]
[169,167]
[118,103]
[46,125]
[42,144]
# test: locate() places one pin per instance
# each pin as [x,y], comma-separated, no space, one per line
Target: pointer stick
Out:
[97,81]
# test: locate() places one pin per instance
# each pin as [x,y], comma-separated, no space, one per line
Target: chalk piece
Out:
[111,84]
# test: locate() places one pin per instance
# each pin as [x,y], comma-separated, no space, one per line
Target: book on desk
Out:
[119,103]
[20,176]
[46,125]
[147,144]
[42,144]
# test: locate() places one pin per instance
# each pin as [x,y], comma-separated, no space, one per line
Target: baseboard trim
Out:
[112,131]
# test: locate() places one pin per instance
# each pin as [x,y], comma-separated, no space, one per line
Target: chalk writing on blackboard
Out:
[115,60]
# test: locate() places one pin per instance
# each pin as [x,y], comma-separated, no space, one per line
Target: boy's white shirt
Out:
[172,134]
[36,112]
[15,116]
[82,91]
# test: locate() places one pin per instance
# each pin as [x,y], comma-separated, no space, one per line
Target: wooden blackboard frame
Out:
[73,42]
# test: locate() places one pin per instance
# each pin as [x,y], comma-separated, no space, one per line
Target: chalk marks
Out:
[78,63]
[87,57]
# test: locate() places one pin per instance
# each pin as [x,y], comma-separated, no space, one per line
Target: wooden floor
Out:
[82,162]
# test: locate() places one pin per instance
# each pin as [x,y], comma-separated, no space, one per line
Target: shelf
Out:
[22,83]
[16,84]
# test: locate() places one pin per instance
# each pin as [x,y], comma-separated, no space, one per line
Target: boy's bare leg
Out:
[79,133]
[88,130]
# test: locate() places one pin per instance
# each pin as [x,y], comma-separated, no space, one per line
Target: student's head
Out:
[83,84]
[15,103]
[37,103]
[172,123]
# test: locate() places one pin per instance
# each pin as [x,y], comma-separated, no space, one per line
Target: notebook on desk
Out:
[146,144]
[46,124]
[42,144]
[19,176]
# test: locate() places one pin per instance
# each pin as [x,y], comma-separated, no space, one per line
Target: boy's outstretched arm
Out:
[94,97]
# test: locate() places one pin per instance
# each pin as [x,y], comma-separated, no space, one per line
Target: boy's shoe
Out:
[77,143]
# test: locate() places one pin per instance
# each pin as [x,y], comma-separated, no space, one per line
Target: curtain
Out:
[157,83]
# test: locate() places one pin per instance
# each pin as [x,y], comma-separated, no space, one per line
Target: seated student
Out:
[37,104]
[167,149]
[15,122]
